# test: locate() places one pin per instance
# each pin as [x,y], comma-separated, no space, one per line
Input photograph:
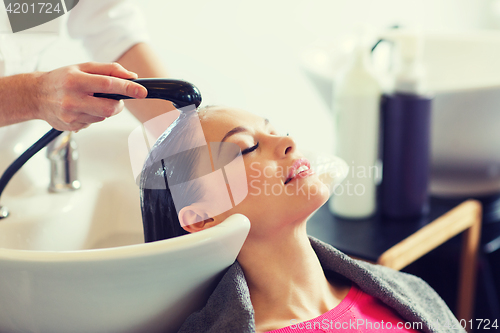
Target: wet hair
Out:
[169,164]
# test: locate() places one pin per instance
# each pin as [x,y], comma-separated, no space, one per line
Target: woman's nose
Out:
[285,146]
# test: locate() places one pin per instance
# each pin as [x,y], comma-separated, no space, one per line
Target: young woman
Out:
[283,281]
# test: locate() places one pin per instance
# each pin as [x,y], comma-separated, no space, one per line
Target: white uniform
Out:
[107,28]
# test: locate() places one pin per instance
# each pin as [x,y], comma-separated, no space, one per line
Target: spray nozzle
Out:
[408,47]
[180,93]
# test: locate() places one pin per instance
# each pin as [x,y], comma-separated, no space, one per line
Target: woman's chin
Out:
[316,201]
[319,193]
[322,200]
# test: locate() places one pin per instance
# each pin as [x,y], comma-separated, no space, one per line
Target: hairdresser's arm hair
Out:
[18,98]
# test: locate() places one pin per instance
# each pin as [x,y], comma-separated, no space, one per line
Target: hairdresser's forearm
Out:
[142,59]
[18,98]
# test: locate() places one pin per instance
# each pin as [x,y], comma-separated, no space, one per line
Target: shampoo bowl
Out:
[149,287]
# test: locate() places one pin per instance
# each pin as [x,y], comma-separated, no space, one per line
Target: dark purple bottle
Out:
[405,155]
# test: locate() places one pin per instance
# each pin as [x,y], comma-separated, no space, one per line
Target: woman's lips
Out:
[300,168]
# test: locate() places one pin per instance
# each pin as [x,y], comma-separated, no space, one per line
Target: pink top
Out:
[358,312]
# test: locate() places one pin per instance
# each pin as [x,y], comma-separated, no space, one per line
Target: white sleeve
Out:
[108,28]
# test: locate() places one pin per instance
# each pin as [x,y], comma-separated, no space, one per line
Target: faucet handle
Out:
[56,147]
[63,155]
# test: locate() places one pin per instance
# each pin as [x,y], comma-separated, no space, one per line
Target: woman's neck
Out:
[286,280]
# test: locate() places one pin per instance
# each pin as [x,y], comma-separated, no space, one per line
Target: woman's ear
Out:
[194,218]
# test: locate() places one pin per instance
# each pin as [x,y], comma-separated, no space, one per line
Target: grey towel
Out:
[230,310]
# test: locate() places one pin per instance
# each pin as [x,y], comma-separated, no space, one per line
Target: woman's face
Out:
[282,189]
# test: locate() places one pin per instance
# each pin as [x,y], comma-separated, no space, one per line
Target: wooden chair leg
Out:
[466,218]
[468,270]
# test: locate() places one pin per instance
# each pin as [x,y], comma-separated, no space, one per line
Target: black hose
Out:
[19,162]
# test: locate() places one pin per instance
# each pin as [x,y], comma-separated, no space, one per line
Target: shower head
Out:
[180,93]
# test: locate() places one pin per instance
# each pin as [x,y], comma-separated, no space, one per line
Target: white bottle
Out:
[356,105]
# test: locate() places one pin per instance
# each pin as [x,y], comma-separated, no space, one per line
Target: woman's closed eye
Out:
[251,149]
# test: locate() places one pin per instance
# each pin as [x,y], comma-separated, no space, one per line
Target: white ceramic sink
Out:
[76,262]
[41,221]
[104,213]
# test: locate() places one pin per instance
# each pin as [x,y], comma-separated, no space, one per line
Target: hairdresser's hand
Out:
[64,97]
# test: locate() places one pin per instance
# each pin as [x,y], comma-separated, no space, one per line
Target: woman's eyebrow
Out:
[239,129]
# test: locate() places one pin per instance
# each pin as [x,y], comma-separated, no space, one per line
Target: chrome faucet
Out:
[63,155]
